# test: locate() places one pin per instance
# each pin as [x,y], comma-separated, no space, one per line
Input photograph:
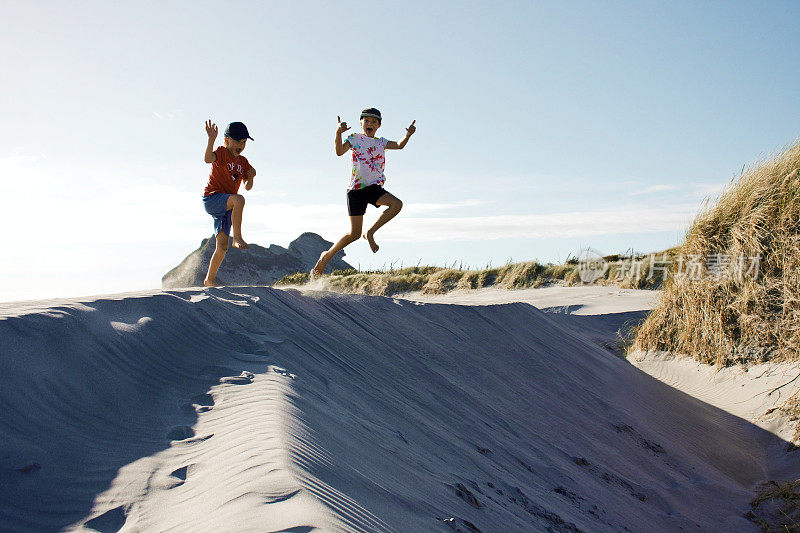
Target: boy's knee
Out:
[235,200]
[353,237]
[398,205]
[222,242]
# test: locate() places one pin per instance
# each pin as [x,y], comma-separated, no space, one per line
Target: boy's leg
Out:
[216,260]
[236,205]
[355,233]
[395,205]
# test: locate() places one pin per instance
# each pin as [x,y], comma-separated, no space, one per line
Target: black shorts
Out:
[357,199]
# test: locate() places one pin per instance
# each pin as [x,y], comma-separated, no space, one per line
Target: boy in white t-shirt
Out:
[366,182]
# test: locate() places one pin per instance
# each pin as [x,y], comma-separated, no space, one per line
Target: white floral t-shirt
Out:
[368,160]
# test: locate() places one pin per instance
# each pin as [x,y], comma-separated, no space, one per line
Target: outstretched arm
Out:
[340,148]
[392,145]
[211,130]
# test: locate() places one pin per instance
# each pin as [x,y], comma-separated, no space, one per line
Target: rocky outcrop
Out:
[255,266]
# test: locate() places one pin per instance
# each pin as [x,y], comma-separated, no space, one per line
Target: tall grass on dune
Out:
[722,316]
[440,280]
[522,275]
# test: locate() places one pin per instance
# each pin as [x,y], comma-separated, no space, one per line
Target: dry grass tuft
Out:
[776,507]
[440,280]
[726,319]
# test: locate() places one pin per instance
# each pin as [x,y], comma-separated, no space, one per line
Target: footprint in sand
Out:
[459,525]
[198,404]
[465,494]
[180,433]
[193,440]
[242,379]
[634,489]
[281,497]
[180,473]
[110,521]
[640,440]
[245,342]
[29,468]
[263,345]
[282,372]
[254,342]
[270,339]
[176,478]
[185,435]
[203,400]
[213,372]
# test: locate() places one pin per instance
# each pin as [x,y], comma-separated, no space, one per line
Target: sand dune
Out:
[254,409]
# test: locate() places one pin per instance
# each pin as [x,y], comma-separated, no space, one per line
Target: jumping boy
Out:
[228,170]
[366,182]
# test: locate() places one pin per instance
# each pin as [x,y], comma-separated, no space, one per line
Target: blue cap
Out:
[371,112]
[237,131]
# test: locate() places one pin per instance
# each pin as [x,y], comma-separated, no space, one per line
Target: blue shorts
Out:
[217,206]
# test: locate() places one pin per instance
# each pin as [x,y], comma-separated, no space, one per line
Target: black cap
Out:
[371,112]
[237,131]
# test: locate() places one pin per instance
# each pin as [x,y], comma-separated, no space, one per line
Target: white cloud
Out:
[166,116]
[266,222]
[691,190]
[421,208]
[712,189]
[613,220]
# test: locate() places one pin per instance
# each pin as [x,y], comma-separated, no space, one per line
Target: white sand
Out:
[588,300]
[752,393]
[254,409]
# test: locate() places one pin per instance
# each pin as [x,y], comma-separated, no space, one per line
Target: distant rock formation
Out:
[255,266]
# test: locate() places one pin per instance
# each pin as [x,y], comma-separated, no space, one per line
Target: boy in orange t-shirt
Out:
[228,170]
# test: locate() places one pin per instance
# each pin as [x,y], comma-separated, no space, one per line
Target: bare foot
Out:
[372,244]
[320,266]
[210,283]
[240,244]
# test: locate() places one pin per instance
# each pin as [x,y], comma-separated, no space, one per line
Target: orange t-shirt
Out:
[227,173]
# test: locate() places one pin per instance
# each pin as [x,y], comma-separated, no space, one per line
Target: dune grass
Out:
[729,315]
[776,507]
[744,306]
[440,280]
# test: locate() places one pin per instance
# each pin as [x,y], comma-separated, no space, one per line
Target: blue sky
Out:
[542,127]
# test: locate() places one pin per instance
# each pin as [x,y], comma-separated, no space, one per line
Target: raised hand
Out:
[343,127]
[411,129]
[211,130]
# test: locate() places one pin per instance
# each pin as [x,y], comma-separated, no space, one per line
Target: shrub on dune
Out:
[745,307]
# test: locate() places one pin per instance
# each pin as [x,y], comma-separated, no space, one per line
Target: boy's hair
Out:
[371,112]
